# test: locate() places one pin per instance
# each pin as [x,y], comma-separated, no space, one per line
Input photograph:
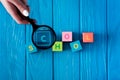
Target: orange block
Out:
[88,37]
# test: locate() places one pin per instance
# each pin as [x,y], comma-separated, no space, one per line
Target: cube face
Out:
[42,37]
[31,48]
[88,37]
[66,36]
[76,46]
[58,46]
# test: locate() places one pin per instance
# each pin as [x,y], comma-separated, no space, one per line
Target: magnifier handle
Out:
[32,23]
[30,20]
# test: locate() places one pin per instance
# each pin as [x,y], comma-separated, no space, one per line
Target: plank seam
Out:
[52,52]
[106,40]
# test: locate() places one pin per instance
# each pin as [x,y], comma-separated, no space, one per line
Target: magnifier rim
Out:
[52,32]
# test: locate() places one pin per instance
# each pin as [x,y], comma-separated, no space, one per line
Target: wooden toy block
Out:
[58,46]
[66,36]
[31,48]
[88,37]
[76,46]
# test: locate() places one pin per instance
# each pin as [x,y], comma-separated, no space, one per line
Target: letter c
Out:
[43,38]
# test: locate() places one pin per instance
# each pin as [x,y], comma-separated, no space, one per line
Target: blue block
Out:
[42,38]
[76,46]
[31,48]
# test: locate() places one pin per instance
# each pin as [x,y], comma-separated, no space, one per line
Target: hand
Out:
[17,9]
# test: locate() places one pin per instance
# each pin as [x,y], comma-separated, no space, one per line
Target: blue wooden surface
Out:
[12,48]
[39,65]
[93,57]
[97,61]
[113,19]
[66,18]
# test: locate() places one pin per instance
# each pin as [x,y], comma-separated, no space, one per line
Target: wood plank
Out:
[12,48]
[93,63]
[113,39]
[66,18]
[39,65]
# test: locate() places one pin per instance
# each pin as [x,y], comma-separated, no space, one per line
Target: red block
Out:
[88,37]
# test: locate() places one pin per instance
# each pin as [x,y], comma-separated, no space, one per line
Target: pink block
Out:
[66,36]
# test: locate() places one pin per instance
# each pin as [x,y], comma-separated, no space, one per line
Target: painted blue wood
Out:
[39,65]
[66,18]
[12,48]
[113,39]
[97,61]
[93,63]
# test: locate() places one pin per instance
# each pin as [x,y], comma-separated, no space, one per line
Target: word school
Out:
[87,37]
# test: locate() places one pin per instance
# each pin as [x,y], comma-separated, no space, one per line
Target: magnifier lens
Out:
[43,37]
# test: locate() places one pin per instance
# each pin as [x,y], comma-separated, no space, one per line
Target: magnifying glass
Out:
[43,36]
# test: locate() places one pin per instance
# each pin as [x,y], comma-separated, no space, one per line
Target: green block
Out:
[58,46]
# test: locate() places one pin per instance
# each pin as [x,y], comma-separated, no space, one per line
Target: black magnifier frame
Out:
[35,28]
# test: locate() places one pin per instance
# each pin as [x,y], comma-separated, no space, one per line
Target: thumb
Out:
[21,7]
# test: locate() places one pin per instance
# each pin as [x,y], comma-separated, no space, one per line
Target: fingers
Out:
[16,17]
[22,7]
[24,2]
[17,9]
[12,10]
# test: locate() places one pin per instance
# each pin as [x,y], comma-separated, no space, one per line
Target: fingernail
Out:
[25,13]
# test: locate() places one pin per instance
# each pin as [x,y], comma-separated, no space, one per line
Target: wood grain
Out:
[93,63]
[12,48]
[97,61]
[39,65]
[66,18]
[113,19]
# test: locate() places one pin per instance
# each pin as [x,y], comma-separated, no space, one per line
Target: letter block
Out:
[88,37]
[66,36]
[76,46]
[42,38]
[31,48]
[58,46]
